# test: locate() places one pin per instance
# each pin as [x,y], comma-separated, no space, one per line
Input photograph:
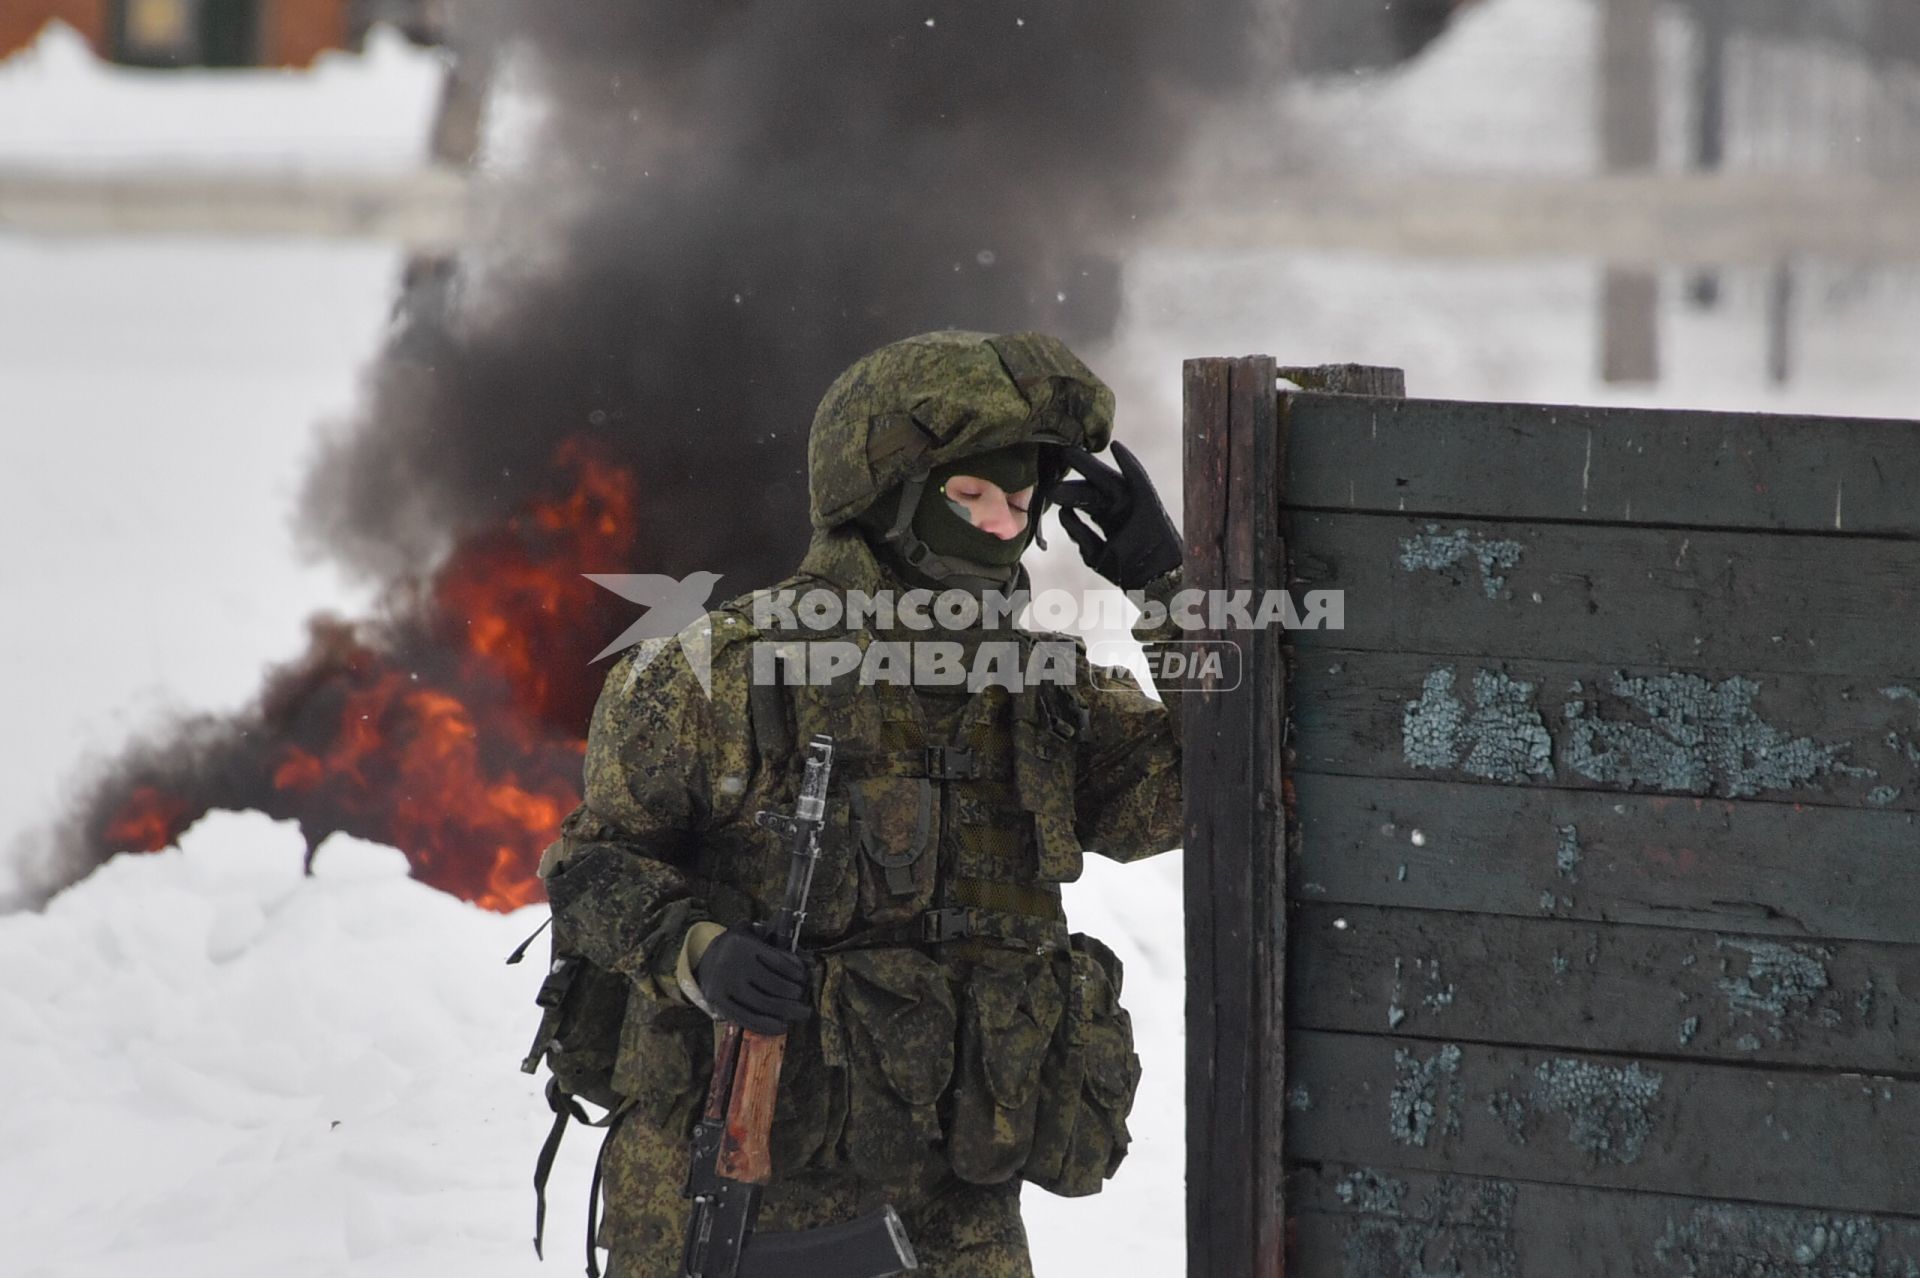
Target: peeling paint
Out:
[1700,736]
[1457,1228]
[1369,1191]
[1299,1100]
[1512,1113]
[1566,857]
[1899,745]
[1431,728]
[1437,993]
[1688,1028]
[1608,1109]
[1882,795]
[1435,551]
[1897,692]
[1504,738]
[1780,982]
[1725,1240]
[1414,1106]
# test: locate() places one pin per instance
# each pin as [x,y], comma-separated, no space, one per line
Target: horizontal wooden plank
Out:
[1751,602]
[427,210]
[1839,1142]
[1381,1222]
[1605,988]
[1774,869]
[1603,465]
[1831,739]
[1665,217]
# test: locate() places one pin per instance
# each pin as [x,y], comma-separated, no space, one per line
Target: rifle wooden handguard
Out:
[745,1151]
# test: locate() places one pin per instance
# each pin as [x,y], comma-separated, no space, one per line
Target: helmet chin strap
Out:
[950,570]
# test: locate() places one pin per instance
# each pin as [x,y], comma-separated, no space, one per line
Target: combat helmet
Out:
[915,405]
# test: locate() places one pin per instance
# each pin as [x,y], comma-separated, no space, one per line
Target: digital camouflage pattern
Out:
[936,1077]
[930,399]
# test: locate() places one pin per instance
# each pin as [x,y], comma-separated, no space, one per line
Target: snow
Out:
[235,1070]
[221,1068]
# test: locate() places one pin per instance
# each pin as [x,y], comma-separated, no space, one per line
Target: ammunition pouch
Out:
[887,1026]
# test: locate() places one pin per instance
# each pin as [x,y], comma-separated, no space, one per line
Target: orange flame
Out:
[465,754]
[149,820]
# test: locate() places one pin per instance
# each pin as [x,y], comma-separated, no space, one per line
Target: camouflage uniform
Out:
[936,1074]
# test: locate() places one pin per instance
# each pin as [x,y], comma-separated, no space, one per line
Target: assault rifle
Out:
[731,1157]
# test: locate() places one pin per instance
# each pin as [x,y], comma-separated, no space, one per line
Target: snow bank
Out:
[216,1067]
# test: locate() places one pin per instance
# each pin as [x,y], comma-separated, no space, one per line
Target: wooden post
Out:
[1780,325]
[1629,84]
[1710,114]
[1235,836]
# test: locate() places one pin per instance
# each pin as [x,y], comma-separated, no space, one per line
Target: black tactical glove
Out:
[756,985]
[1137,541]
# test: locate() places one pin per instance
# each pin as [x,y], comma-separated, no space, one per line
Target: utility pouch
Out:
[1088,1082]
[892,825]
[1012,1010]
[888,1022]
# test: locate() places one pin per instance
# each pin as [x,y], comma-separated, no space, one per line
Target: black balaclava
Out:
[938,546]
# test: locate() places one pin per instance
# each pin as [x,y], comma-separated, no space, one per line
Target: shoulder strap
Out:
[771,712]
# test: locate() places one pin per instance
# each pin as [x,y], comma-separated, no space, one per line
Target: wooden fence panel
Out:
[1834,1141]
[1688,598]
[1366,1223]
[1649,991]
[1598,839]
[1602,465]
[1826,740]
[1658,860]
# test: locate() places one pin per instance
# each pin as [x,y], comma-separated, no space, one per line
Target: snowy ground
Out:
[217,1067]
[220,1069]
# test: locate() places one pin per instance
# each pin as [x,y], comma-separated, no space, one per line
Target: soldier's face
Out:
[987,506]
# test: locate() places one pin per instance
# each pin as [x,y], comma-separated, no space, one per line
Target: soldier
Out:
[948,1038]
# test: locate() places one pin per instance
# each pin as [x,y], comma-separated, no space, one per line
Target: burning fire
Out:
[454,733]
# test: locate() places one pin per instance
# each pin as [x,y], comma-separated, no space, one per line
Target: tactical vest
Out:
[962,1025]
[956,812]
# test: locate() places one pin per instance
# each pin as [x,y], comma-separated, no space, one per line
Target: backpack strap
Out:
[565,1107]
[593,1192]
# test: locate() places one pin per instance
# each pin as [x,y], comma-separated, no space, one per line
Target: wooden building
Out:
[216,33]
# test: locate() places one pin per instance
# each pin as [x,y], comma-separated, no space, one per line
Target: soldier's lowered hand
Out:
[758,986]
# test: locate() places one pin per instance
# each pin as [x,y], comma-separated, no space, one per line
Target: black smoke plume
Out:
[721,205]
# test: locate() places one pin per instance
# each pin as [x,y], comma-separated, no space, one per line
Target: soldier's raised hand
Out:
[756,985]
[1136,540]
